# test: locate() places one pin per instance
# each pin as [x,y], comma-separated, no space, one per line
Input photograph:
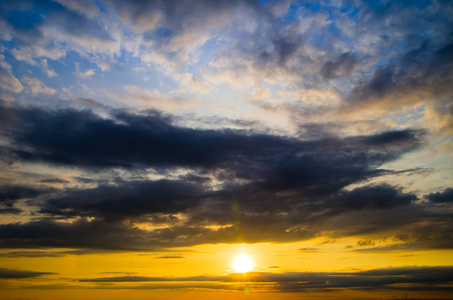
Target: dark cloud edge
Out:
[415,278]
[6,273]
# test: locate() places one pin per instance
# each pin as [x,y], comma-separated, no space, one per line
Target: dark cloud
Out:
[284,189]
[423,63]
[45,253]
[213,217]
[342,66]
[365,243]
[437,233]
[84,139]
[273,48]
[81,138]
[127,273]
[145,278]
[81,234]
[170,256]
[425,70]
[9,195]
[53,180]
[21,274]
[309,249]
[86,180]
[127,200]
[380,84]
[443,197]
[372,197]
[10,210]
[403,278]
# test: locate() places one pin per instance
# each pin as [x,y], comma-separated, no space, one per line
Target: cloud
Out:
[377,57]
[33,254]
[53,28]
[9,195]
[177,218]
[54,180]
[9,83]
[418,278]
[342,66]
[12,193]
[365,243]
[193,84]
[86,74]
[441,119]
[49,72]
[286,189]
[443,197]
[170,256]
[30,54]
[372,197]
[37,86]
[393,80]
[171,34]
[309,249]
[21,274]
[145,16]
[154,99]
[130,140]
[78,235]
[362,57]
[126,200]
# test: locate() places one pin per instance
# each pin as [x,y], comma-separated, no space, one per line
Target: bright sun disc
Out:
[243,263]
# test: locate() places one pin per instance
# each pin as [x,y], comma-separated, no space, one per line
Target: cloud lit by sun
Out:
[243,263]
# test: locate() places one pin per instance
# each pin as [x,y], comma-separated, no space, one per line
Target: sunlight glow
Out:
[243,263]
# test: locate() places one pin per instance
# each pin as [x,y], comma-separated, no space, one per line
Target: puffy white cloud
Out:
[84,74]
[9,83]
[37,86]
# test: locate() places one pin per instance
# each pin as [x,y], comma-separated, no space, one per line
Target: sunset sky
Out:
[228,149]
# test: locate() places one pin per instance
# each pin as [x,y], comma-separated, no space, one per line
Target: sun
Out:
[243,263]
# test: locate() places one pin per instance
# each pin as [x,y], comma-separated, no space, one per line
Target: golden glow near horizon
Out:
[243,263]
[137,272]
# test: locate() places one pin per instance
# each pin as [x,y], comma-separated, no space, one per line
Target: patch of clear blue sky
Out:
[27,19]
[102,7]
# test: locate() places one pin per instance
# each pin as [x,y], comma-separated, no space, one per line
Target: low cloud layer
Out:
[403,278]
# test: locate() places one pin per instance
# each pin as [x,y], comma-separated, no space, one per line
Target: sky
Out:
[147,145]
